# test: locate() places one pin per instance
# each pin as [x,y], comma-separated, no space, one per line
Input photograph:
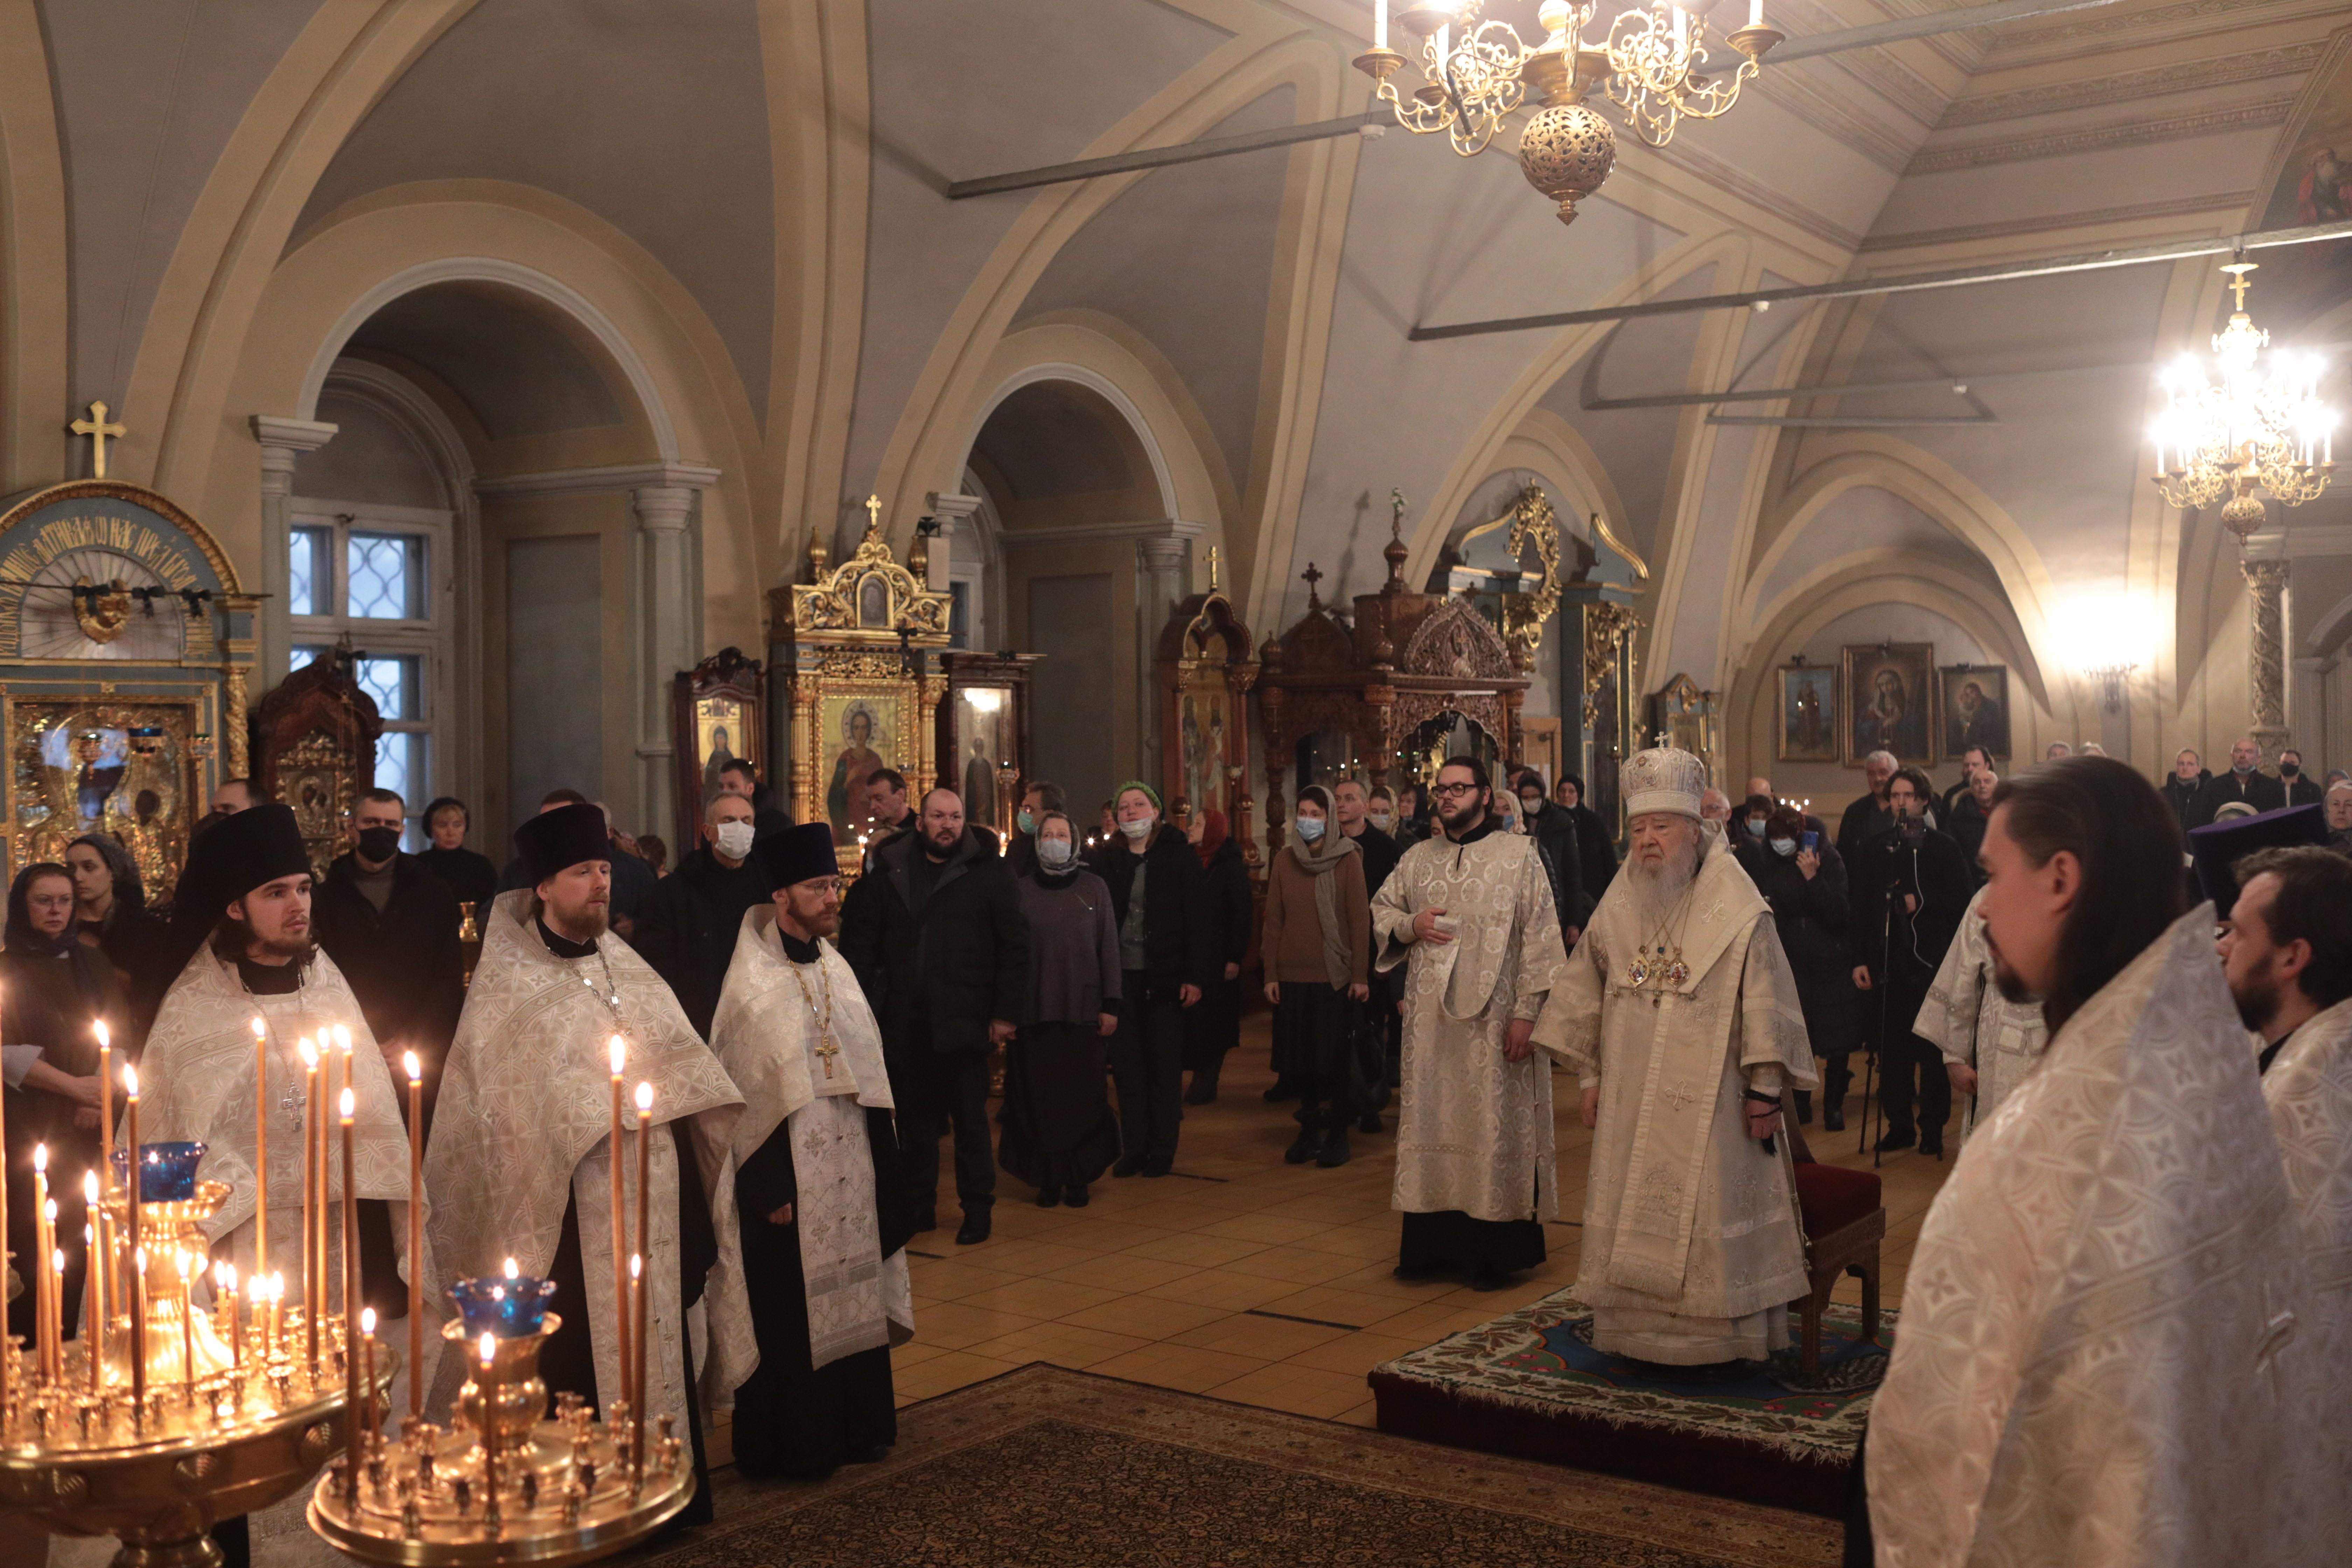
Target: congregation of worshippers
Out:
[2126,1007]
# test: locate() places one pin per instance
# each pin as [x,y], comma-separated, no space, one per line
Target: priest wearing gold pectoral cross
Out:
[823,1224]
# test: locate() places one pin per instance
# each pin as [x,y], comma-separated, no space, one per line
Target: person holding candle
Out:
[520,1158]
[823,1215]
[249,875]
[53,988]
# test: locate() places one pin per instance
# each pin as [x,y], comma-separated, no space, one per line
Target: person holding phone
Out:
[1802,877]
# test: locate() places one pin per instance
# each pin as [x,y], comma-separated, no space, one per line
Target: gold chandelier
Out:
[1655,66]
[2245,430]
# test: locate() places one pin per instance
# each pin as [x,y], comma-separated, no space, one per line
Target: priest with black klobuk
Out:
[520,1160]
[824,1223]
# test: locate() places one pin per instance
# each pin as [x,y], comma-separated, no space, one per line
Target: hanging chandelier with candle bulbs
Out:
[2257,423]
[1655,65]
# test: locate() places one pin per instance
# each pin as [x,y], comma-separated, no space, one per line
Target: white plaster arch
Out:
[508,274]
[2332,629]
[1101,386]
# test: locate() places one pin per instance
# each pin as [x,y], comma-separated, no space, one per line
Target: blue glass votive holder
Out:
[504,1308]
[167,1172]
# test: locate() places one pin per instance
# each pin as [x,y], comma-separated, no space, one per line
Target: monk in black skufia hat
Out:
[2218,848]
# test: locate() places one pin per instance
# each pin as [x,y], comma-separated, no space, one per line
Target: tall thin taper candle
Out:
[640,1284]
[367,1344]
[138,1302]
[225,1295]
[93,1283]
[350,1271]
[260,1149]
[104,1261]
[415,1232]
[187,1324]
[644,1251]
[309,1193]
[41,1256]
[620,1229]
[489,1351]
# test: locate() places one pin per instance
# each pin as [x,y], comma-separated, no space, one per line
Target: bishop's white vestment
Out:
[523,1126]
[1474,1131]
[2100,1361]
[1692,1244]
[1967,1018]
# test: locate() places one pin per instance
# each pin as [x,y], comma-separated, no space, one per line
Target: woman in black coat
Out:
[1806,889]
[1214,1027]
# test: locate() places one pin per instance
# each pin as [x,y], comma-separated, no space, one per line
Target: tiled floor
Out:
[1242,1277]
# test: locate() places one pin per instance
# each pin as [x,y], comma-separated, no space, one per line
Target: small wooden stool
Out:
[1845,1223]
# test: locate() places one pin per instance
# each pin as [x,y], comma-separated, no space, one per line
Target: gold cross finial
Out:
[2238,280]
[1212,569]
[872,517]
[99,432]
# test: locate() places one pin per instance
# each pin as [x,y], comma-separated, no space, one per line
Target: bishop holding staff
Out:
[520,1159]
[823,1226]
[1469,913]
[1681,1017]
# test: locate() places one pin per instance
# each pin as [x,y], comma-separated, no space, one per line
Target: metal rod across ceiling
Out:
[1896,31]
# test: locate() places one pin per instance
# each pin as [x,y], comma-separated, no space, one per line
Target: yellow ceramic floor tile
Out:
[956,1369]
[1357,1353]
[957,1325]
[1185,1367]
[951,1280]
[1222,1288]
[1265,1229]
[1195,1250]
[1027,1258]
[1294,1266]
[1063,1344]
[1146,1317]
[1301,1391]
[1040,1297]
[1335,1305]
[1121,1271]
[1267,1338]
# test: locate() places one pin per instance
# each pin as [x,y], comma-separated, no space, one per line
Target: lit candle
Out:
[310,1196]
[367,1344]
[620,1226]
[260,1147]
[1380,24]
[638,1406]
[42,1282]
[1755,13]
[134,1201]
[224,1292]
[93,1287]
[1682,29]
[187,1326]
[346,1108]
[105,1098]
[489,1350]
[276,1311]
[348,1272]
[56,1300]
[416,1233]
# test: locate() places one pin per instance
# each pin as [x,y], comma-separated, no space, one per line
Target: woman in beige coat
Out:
[1317,945]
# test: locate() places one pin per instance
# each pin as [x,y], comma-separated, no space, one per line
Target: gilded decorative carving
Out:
[868,597]
[1605,627]
[1534,526]
[118,766]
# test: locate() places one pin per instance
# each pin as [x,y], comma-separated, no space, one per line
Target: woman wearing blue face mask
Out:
[1317,945]
[1807,890]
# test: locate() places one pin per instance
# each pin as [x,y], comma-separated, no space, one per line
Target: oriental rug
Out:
[1043,1467]
[1530,1384]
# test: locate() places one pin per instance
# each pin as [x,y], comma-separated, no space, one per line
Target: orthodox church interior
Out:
[1233,395]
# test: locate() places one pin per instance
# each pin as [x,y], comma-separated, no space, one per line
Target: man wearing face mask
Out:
[1911,886]
[2300,789]
[1037,799]
[390,926]
[688,926]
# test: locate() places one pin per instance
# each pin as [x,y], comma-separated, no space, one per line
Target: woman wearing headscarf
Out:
[1807,890]
[1316,948]
[1214,1027]
[1059,1133]
[110,911]
[53,988]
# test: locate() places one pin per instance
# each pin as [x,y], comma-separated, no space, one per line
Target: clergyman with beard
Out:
[1680,1016]
[1469,913]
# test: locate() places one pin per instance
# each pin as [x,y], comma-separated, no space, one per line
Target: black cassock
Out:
[793,1419]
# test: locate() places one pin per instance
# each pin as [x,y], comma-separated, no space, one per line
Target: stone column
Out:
[953,511]
[1162,578]
[282,441]
[2266,654]
[667,640]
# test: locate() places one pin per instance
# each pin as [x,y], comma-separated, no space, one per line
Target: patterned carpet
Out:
[1047,1468]
[1530,1384]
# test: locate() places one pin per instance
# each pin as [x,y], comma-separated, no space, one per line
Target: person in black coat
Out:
[1807,890]
[390,926]
[1169,956]
[1383,1036]
[1870,816]
[1910,889]
[936,934]
[2243,783]
[1596,855]
[688,925]
[2298,787]
[1214,1027]
[2183,786]
[473,877]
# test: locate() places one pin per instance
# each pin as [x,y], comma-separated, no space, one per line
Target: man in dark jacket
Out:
[935,934]
[1167,949]
[688,925]
[2183,786]
[1867,817]
[737,776]
[390,926]
[1910,889]
[2244,782]
[2300,789]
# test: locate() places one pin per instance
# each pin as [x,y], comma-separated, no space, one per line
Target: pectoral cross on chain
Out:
[824,1051]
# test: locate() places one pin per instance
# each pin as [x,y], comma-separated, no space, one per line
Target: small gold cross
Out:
[826,1051]
[872,517]
[99,432]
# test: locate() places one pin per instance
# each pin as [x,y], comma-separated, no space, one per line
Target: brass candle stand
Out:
[191,1415]
[504,1482]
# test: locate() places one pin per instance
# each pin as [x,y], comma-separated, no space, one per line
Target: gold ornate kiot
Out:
[99,432]
[869,598]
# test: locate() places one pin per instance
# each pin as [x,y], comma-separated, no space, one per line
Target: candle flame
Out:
[90,1186]
[225,1277]
[351,1103]
[130,1080]
[49,1211]
[415,1068]
[277,1286]
[310,1055]
[490,1348]
[40,1156]
[512,1272]
[343,1039]
[139,1257]
[260,1029]
[645,1099]
[98,1029]
[620,1054]
[367,1320]
[57,1257]
[636,1264]
[181,1261]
